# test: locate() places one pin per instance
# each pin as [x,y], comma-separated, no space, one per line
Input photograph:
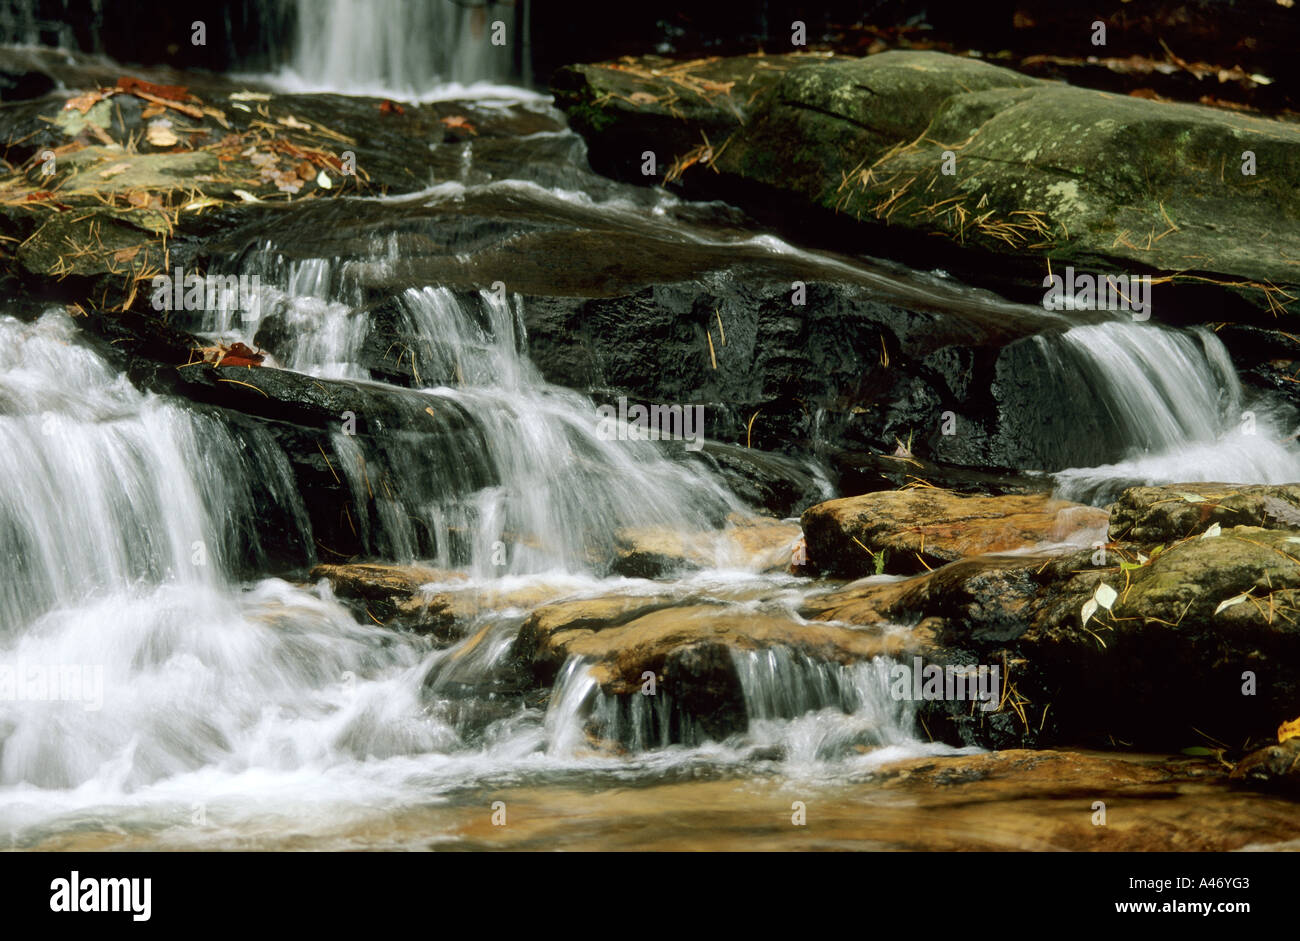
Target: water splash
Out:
[1173,404]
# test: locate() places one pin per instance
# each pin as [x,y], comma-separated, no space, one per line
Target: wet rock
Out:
[1201,640]
[986,595]
[1198,640]
[862,472]
[625,635]
[543,637]
[761,544]
[1165,514]
[907,531]
[1036,160]
[428,600]
[389,592]
[622,654]
[1274,767]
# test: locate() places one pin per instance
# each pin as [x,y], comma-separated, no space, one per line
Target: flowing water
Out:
[188,700]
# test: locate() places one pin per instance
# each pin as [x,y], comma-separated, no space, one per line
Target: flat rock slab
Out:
[757,544]
[925,528]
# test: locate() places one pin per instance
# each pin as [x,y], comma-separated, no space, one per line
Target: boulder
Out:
[906,531]
[1158,515]
[1200,640]
[1103,182]
[1273,767]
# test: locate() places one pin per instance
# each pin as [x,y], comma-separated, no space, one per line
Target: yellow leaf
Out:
[160,134]
[1288,730]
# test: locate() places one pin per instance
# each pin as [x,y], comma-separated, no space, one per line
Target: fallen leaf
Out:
[160,134]
[122,256]
[390,107]
[1105,595]
[306,170]
[1088,610]
[458,122]
[246,196]
[114,170]
[1288,730]
[139,199]
[153,111]
[1234,600]
[250,96]
[323,180]
[292,122]
[1214,530]
[198,204]
[240,355]
[217,115]
[642,98]
[84,103]
[169,92]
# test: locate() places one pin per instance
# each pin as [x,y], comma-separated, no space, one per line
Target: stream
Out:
[213,695]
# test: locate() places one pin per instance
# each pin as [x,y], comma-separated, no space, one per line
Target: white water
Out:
[407,49]
[1173,400]
[222,707]
[535,488]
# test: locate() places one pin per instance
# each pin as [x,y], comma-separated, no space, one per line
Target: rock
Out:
[623,652]
[1200,641]
[426,600]
[1167,664]
[985,595]
[764,545]
[860,472]
[926,527]
[1158,515]
[1035,160]
[1274,767]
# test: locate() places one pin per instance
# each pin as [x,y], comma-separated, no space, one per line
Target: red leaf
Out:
[170,92]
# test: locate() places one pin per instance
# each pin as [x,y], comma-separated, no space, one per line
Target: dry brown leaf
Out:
[84,103]
[114,170]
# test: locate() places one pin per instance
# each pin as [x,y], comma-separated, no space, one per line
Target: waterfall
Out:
[29,23]
[1170,402]
[128,654]
[405,47]
[525,482]
[102,488]
[805,709]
